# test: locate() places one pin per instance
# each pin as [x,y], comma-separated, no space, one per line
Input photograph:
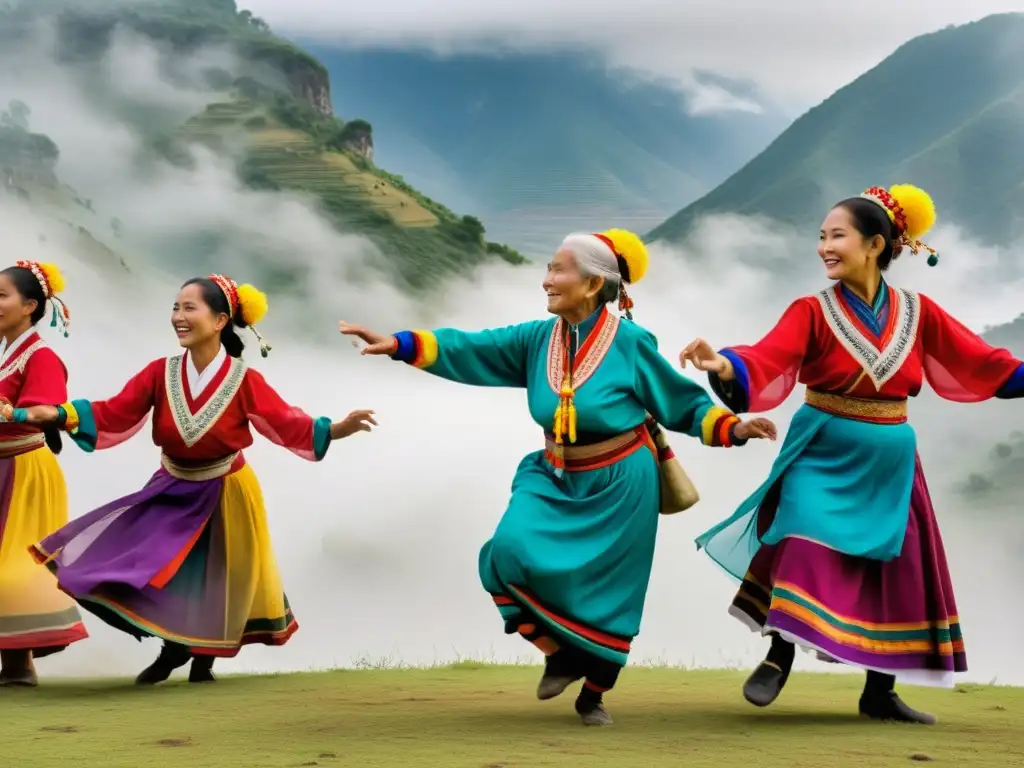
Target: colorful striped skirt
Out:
[34,614]
[894,613]
[186,560]
[571,558]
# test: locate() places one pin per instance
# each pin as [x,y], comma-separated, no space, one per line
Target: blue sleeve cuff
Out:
[321,436]
[85,433]
[1014,386]
[406,352]
[735,394]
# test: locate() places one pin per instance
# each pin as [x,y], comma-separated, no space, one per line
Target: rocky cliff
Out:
[85,32]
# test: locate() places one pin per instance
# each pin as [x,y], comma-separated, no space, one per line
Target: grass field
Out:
[472,716]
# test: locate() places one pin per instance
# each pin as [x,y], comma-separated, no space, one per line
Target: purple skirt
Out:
[897,617]
[187,561]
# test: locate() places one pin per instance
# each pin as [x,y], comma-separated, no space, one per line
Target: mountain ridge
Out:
[517,135]
[271,113]
[915,117]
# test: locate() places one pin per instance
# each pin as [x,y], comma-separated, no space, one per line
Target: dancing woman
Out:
[188,558]
[839,550]
[569,563]
[36,618]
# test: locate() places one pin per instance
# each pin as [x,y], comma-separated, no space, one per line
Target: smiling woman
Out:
[36,618]
[839,550]
[569,563]
[188,558]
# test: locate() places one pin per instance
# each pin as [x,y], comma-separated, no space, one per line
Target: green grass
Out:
[481,716]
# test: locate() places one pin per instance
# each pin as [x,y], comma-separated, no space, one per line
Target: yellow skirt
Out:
[187,561]
[34,613]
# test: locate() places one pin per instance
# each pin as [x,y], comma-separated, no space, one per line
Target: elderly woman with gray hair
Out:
[569,563]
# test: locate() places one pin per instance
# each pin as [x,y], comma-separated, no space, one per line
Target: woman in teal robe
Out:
[569,563]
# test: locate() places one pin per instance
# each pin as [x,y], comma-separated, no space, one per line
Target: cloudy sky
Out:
[796,51]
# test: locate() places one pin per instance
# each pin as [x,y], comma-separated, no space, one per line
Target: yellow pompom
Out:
[53,276]
[252,302]
[918,207]
[632,250]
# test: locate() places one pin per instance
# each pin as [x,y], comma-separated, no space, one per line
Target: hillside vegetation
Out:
[944,112]
[273,115]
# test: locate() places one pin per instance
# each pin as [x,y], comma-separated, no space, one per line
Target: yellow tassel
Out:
[565,414]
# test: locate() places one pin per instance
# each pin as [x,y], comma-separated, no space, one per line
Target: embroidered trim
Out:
[592,357]
[193,426]
[880,366]
[18,364]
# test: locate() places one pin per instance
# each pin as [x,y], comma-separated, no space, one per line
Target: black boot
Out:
[201,670]
[767,681]
[172,656]
[590,707]
[560,671]
[879,701]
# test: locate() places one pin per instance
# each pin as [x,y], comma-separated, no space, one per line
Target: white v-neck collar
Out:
[6,349]
[197,382]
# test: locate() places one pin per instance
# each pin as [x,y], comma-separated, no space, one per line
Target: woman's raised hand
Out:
[704,357]
[376,343]
[357,421]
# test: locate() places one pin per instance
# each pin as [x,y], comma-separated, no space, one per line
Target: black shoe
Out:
[172,656]
[591,710]
[765,683]
[201,670]
[560,672]
[888,706]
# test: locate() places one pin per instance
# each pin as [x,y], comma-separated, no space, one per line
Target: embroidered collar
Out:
[193,426]
[8,351]
[880,365]
[16,356]
[590,354]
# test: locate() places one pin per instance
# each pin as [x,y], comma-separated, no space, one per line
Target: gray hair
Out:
[595,259]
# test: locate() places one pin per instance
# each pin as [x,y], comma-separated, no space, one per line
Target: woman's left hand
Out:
[756,429]
[357,421]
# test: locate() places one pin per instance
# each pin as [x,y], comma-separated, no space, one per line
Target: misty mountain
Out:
[944,112]
[174,81]
[539,144]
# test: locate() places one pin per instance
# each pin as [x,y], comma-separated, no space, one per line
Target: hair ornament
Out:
[247,303]
[631,255]
[51,280]
[912,210]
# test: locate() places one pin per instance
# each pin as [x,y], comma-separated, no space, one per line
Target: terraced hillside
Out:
[290,158]
[268,107]
[423,239]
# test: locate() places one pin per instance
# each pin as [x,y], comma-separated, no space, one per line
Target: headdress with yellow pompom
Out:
[52,282]
[631,254]
[248,303]
[912,210]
